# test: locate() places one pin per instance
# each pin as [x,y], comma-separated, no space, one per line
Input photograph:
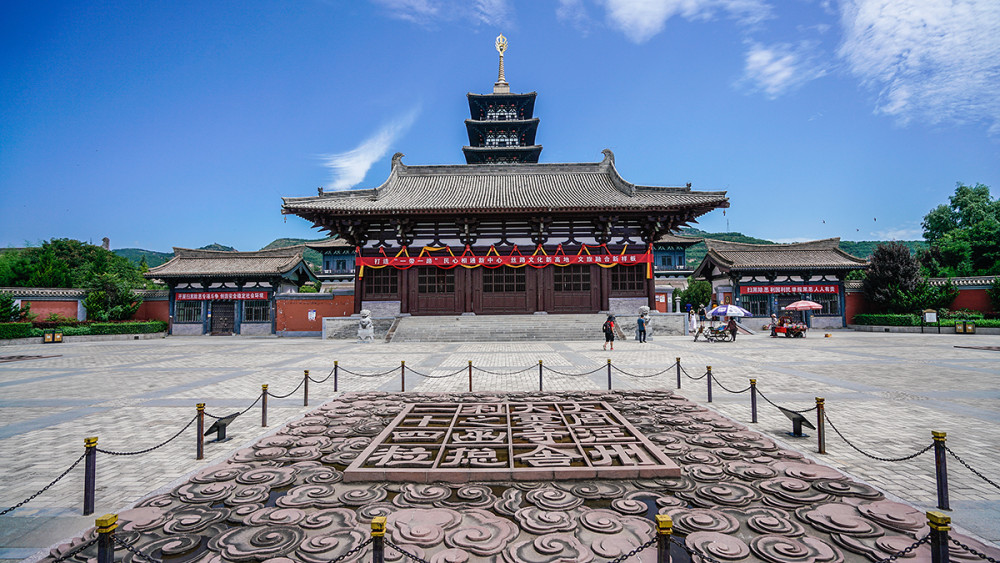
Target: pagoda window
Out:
[434,280]
[382,282]
[504,280]
[501,113]
[501,139]
[628,280]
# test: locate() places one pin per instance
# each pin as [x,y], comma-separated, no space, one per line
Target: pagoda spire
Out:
[501,86]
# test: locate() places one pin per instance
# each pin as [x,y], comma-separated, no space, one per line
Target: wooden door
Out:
[573,289]
[223,318]
[504,291]
[435,291]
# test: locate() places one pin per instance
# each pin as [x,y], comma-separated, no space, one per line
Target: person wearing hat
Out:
[774,325]
[609,332]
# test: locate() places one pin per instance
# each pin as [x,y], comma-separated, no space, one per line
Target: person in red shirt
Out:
[609,332]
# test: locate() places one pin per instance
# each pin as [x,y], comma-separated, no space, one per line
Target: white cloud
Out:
[640,20]
[899,233]
[575,13]
[428,12]
[776,69]
[349,168]
[792,240]
[929,59]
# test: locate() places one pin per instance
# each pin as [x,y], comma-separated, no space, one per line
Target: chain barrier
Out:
[242,412]
[46,487]
[969,467]
[404,552]
[290,393]
[160,445]
[328,376]
[352,552]
[573,374]
[135,551]
[635,551]
[859,450]
[761,393]
[380,374]
[702,376]
[906,551]
[972,551]
[76,551]
[691,551]
[529,368]
[411,370]
[724,388]
[623,372]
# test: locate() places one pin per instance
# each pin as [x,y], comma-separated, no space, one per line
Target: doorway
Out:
[223,318]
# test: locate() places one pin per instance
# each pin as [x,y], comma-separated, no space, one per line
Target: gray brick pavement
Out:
[885,392]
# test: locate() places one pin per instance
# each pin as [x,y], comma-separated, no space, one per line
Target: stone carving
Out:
[366,328]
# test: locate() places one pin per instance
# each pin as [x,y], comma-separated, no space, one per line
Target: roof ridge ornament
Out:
[501,86]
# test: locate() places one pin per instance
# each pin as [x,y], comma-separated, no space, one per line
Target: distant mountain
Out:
[217,246]
[153,258]
[313,258]
[864,248]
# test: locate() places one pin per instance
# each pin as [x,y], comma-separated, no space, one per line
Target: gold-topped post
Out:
[106,537]
[941,468]
[89,474]
[501,86]
[940,524]
[664,528]
[378,539]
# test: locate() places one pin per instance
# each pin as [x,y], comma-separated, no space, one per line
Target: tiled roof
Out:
[824,253]
[219,263]
[671,238]
[504,188]
[328,244]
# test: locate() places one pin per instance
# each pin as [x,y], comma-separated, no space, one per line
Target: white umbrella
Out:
[729,311]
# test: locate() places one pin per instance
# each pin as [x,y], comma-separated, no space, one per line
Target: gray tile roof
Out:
[504,188]
[678,240]
[188,263]
[824,253]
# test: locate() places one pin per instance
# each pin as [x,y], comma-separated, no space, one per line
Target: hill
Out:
[313,258]
[135,256]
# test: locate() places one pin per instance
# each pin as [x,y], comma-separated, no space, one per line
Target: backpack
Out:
[608,326]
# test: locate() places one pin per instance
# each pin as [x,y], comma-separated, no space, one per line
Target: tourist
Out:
[609,332]
[732,327]
[774,325]
[641,328]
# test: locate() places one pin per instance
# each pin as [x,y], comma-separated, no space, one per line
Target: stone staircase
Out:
[499,328]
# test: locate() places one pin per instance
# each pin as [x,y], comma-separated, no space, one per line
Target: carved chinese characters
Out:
[462,442]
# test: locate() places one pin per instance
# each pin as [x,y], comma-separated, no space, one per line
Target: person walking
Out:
[774,325]
[692,320]
[641,327]
[732,327]
[609,332]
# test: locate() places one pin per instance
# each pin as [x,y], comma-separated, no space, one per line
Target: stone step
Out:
[486,328]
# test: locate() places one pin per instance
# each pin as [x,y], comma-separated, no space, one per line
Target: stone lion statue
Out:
[366,327]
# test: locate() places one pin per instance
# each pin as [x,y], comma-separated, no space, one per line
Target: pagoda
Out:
[501,129]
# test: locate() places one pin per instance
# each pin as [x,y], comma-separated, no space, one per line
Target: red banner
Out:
[497,261]
[758,289]
[222,295]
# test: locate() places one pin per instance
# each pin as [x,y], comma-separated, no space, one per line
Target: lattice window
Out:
[256,311]
[383,282]
[572,278]
[504,280]
[628,279]
[829,301]
[187,312]
[433,280]
[756,304]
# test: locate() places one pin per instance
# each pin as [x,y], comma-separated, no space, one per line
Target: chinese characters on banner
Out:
[221,295]
[449,261]
[757,289]
[503,441]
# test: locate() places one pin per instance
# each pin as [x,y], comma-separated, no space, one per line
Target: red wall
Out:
[45,308]
[153,311]
[854,304]
[973,299]
[293,314]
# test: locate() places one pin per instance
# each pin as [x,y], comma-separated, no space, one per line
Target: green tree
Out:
[964,236]
[698,293]
[10,312]
[111,298]
[994,294]
[893,274]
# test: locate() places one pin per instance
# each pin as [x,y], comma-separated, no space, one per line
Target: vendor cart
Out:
[790,329]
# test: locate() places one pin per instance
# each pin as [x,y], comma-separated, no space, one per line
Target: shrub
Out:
[145,327]
[886,320]
[14,330]
[11,313]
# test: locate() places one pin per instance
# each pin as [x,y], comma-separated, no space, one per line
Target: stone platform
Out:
[739,496]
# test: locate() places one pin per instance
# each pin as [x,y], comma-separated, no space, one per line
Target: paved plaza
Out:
[884,392]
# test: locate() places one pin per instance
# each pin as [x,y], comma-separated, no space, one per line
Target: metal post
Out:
[939,524]
[820,427]
[664,527]
[106,537]
[201,430]
[753,400]
[335,369]
[402,376]
[539,375]
[708,376]
[941,469]
[305,383]
[263,405]
[678,373]
[609,374]
[89,474]
[378,539]
[470,376]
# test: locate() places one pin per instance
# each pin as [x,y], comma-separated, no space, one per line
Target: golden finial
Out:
[501,44]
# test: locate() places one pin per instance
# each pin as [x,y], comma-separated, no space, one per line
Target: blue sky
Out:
[162,124]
